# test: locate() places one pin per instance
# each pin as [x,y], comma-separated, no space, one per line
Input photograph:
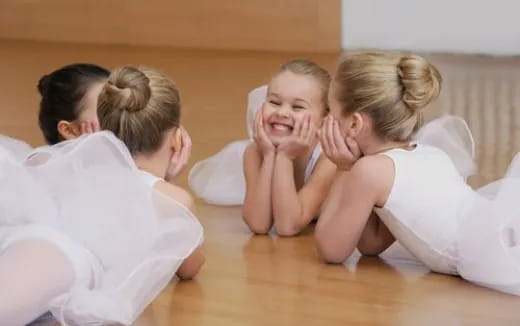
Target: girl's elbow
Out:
[331,256]
[290,229]
[191,266]
[259,229]
[329,252]
[255,227]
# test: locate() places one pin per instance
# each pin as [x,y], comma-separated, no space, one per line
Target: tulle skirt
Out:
[124,239]
[488,241]
[14,148]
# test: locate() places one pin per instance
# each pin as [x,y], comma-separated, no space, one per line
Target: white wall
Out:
[461,26]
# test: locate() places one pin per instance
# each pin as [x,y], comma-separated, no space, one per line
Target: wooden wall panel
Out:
[286,25]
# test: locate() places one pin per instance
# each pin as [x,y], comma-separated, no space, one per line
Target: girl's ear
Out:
[68,130]
[356,125]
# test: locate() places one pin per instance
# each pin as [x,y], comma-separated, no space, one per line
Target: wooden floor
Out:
[267,280]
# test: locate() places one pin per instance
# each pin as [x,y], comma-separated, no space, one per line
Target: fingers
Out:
[83,127]
[95,126]
[339,141]
[354,147]
[330,137]
[261,131]
[89,127]
[311,135]
[297,128]
[186,147]
[306,125]
[185,138]
[323,137]
[175,157]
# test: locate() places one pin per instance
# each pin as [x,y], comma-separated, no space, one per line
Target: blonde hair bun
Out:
[421,81]
[138,105]
[128,89]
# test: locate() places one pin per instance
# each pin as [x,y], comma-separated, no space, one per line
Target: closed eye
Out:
[277,103]
[298,107]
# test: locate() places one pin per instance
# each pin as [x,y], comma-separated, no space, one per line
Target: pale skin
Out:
[34,293]
[364,181]
[176,150]
[158,163]
[285,135]
[87,123]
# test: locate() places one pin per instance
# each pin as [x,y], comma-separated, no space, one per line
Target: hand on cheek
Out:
[181,155]
[303,137]
[340,147]
[260,137]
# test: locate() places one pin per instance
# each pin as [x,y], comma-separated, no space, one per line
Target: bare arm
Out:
[177,193]
[353,197]
[258,171]
[293,209]
[191,265]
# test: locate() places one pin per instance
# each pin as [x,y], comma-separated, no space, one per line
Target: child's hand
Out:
[343,152]
[89,127]
[264,143]
[180,158]
[301,139]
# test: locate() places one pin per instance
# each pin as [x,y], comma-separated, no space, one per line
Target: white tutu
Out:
[17,149]
[124,239]
[220,179]
[451,134]
[489,236]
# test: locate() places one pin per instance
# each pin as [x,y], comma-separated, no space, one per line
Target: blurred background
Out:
[217,51]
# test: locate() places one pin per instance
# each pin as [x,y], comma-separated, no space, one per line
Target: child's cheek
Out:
[345,131]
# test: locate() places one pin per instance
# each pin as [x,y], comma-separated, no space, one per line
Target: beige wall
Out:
[288,25]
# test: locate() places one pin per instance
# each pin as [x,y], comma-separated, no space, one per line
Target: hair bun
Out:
[43,85]
[421,81]
[129,89]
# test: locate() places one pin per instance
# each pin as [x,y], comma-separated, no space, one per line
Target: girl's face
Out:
[290,97]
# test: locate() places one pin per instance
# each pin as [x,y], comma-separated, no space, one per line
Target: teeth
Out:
[280,127]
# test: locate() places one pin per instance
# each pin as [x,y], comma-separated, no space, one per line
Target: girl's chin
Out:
[277,140]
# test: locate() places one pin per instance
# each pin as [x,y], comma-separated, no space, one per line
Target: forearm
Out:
[191,265]
[257,211]
[336,235]
[288,212]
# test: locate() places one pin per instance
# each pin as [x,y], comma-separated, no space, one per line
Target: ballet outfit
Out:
[124,239]
[220,178]
[450,227]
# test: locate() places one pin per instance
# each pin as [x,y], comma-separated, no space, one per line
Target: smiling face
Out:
[290,97]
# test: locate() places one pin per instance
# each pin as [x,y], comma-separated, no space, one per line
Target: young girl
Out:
[287,177]
[89,228]
[69,101]
[388,188]
[67,107]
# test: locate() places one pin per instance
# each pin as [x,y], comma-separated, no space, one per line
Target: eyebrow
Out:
[304,101]
[296,99]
